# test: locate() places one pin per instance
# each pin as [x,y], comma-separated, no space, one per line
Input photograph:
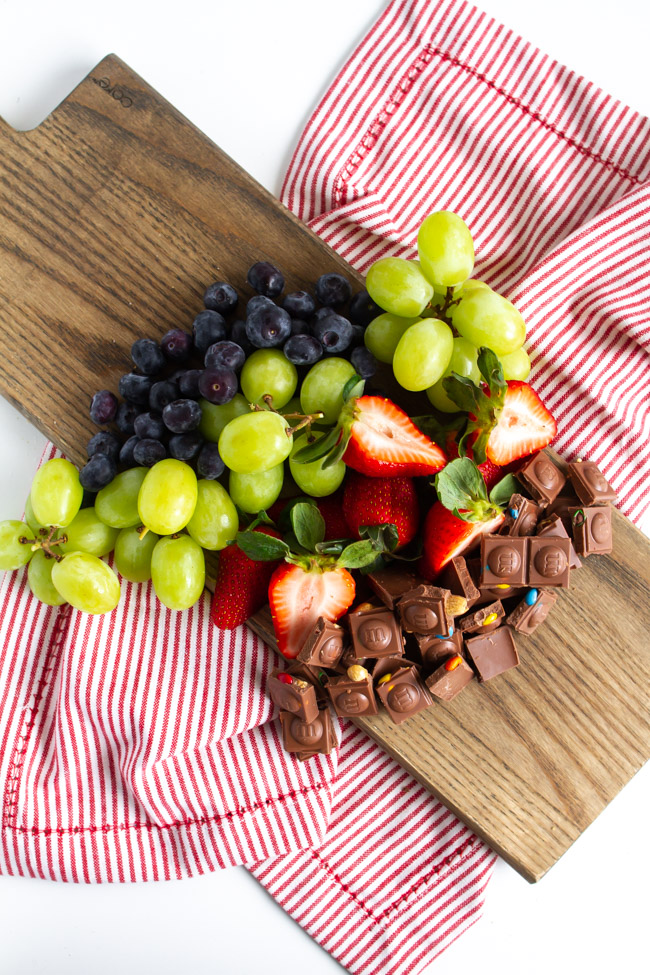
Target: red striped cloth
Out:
[140,745]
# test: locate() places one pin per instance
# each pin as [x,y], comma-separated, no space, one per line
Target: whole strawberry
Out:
[381,501]
[241,585]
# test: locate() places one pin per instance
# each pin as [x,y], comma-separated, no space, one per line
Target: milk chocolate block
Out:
[324,645]
[391,583]
[308,737]
[548,561]
[542,478]
[592,529]
[291,693]
[493,653]
[503,560]
[560,507]
[390,665]
[435,649]
[589,484]
[375,633]
[450,678]
[353,694]
[553,527]
[487,594]
[315,676]
[532,610]
[422,610]
[457,579]
[521,516]
[404,695]
[482,620]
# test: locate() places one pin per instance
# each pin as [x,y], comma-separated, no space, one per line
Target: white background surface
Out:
[248,73]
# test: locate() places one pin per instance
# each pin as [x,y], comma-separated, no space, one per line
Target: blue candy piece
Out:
[531,597]
[451,631]
[514,512]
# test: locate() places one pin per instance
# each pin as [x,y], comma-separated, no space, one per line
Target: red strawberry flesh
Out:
[524,425]
[297,599]
[446,536]
[381,501]
[384,442]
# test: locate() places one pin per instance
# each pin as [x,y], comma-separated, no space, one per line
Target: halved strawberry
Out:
[524,425]
[384,442]
[445,536]
[298,596]
[381,501]
[241,585]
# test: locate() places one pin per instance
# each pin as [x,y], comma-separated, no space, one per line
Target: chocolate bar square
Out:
[390,584]
[482,620]
[390,665]
[560,507]
[493,653]
[315,676]
[325,644]
[404,695]
[291,693]
[553,527]
[450,678]
[375,633]
[503,560]
[589,483]
[542,478]
[313,737]
[532,610]
[422,610]
[435,649]
[548,561]
[487,594]
[521,517]
[351,697]
[457,578]
[592,529]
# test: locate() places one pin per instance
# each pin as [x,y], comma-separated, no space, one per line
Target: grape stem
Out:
[306,419]
[46,543]
[448,303]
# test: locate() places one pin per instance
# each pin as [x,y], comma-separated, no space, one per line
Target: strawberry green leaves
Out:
[462,490]
[484,405]
[333,444]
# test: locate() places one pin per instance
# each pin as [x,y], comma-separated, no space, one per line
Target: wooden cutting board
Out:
[115,214]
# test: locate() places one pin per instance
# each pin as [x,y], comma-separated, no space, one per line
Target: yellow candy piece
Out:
[490,619]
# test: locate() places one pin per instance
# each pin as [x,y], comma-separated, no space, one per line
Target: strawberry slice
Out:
[384,442]
[241,585]
[298,596]
[445,536]
[524,425]
[381,501]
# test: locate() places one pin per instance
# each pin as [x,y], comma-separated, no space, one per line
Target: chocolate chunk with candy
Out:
[521,518]
[493,653]
[548,561]
[482,620]
[553,527]
[435,649]
[390,665]
[487,594]
[390,584]
[315,676]
[290,693]
[589,483]
[532,610]
[503,560]
[403,694]
[592,529]
[325,644]
[375,633]
[457,578]
[450,678]
[308,737]
[542,478]
[560,507]
[352,694]
[422,610]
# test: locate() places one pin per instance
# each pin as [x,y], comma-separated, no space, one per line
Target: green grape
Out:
[486,318]
[30,517]
[255,442]
[214,418]
[322,388]
[178,571]
[256,492]
[86,533]
[267,371]
[86,583]
[13,553]
[117,503]
[422,354]
[56,493]
[39,577]
[398,286]
[463,362]
[133,554]
[311,478]
[383,333]
[167,498]
[472,284]
[445,249]
[215,521]
[516,365]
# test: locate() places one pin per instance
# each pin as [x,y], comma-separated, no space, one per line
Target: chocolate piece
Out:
[308,737]
[548,561]
[592,529]
[568,499]
[315,676]
[422,610]
[404,695]
[482,620]
[450,678]
[553,527]
[389,665]
[375,633]
[521,516]
[457,578]
[532,610]
[324,645]
[390,584]
[503,560]
[291,693]
[488,594]
[435,649]
[353,694]
[493,653]
[542,478]
[589,483]
[349,659]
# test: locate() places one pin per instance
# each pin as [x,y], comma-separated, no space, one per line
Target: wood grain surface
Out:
[115,214]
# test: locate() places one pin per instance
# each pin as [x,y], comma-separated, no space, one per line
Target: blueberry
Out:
[148,452]
[265,279]
[185,446]
[333,290]
[364,362]
[358,332]
[218,384]
[208,327]
[321,313]
[188,383]
[147,356]
[299,304]
[227,354]
[268,326]
[176,345]
[363,309]
[221,297]
[149,426]
[104,443]
[135,388]
[163,393]
[333,332]
[257,301]
[209,463]
[126,453]
[98,472]
[298,327]
[126,414]
[103,407]
[303,350]
[182,415]
[238,335]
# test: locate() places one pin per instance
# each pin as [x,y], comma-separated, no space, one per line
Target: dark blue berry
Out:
[98,472]
[149,426]
[257,301]
[321,313]
[363,309]
[208,327]
[176,345]
[135,388]
[185,446]
[148,452]
[163,393]
[147,356]
[303,350]
[188,383]
[299,304]
[218,384]
[333,290]
[265,279]
[182,416]
[103,407]
[268,326]
[298,327]
[125,418]
[209,463]
[238,335]
[221,297]
[364,362]
[104,443]
[333,332]
[126,453]
[358,331]
[227,354]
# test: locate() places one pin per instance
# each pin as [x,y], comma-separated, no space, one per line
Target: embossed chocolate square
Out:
[353,693]
[450,678]
[375,633]
[532,610]
[589,483]
[390,584]
[493,653]
[488,594]
[553,527]
[542,478]
[482,620]
[404,695]
[325,644]
[592,529]
[548,561]
[457,578]
[290,693]
[436,649]
[522,515]
[312,737]
[422,610]
[503,560]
